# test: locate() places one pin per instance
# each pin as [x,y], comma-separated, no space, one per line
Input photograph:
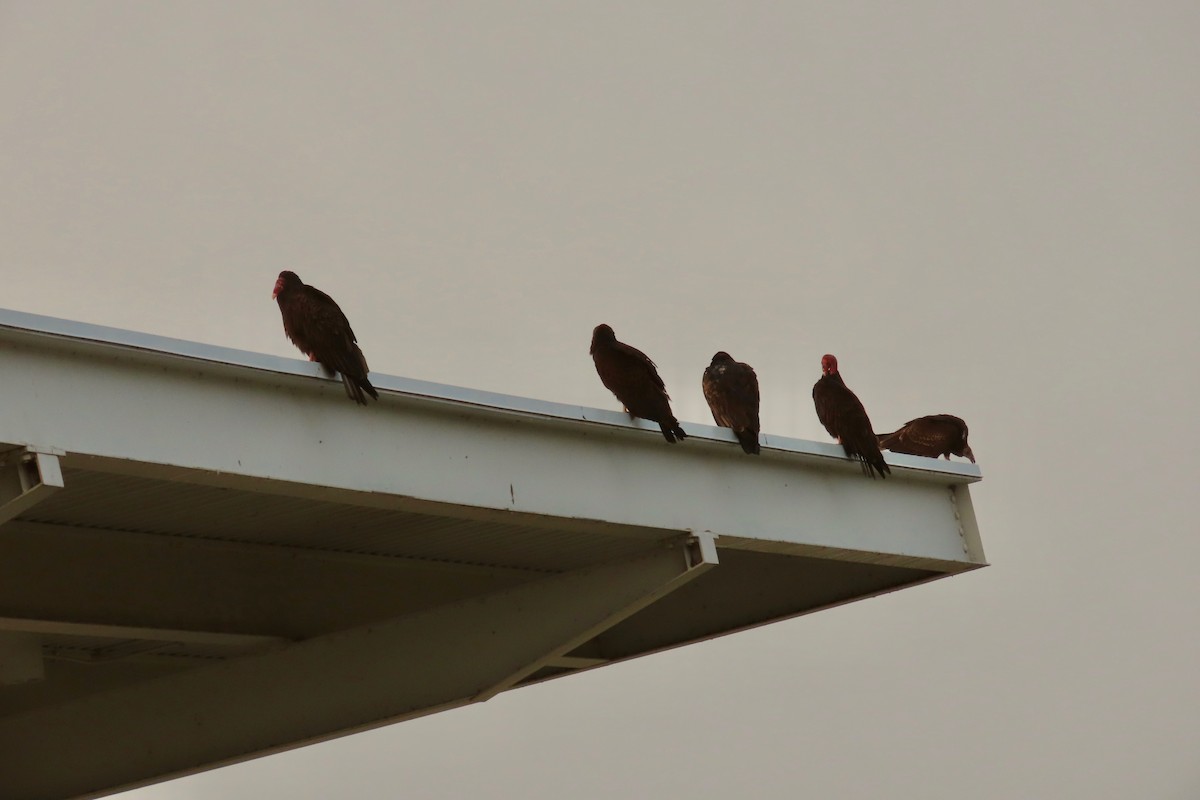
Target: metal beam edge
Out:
[17,324]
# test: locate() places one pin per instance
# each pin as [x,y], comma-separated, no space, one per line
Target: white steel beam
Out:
[275,425]
[332,685]
[26,478]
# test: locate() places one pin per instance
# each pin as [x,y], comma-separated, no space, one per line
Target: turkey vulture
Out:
[318,327]
[933,436]
[843,415]
[731,389]
[632,377]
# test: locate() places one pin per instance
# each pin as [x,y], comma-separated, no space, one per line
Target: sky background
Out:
[990,209]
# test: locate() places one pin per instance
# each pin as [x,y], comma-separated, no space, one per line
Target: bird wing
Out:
[931,436]
[827,408]
[733,396]
[632,377]
[843,415]
[853,424]
[927,436]
[936,434]
[950,423]
[328,312]
[635,362]
[744,389]
[713,395]
[327,333]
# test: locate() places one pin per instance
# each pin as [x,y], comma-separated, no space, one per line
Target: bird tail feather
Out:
[876,463]
[872,463]
[354,389]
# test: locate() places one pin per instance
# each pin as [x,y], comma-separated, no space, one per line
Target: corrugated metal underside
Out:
[272,569]
[143,505]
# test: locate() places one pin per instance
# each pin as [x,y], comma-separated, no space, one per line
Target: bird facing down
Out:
[843,415]
[932,436]
[318,327]
[731,389]
[632,377]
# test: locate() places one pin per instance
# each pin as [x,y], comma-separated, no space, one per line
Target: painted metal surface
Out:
[403,668]
[17,326]
[26,479]
[248,420]
[196,542]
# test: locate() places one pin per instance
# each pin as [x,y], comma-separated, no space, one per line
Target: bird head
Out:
[286,280]
[603,333]
[721,357]
[828,365]
[967,452]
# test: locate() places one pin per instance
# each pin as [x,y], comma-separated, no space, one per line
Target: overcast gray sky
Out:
[988,210]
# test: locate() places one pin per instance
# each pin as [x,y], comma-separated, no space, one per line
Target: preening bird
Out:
[843,415]
[731,389]
[932,436]
[632,377]
[318,327]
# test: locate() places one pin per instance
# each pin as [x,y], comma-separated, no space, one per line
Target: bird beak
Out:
[967,452]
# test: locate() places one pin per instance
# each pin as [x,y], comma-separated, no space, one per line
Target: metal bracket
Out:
[26,480]
[638,582]
[702,548]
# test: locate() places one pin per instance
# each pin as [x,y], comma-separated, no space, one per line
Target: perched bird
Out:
[318,327]
[731,389]
[632,377]
[843,415]
[933,436]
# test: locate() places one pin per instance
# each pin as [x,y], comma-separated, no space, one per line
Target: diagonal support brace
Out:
[27,477]
[697,556]
[328,686]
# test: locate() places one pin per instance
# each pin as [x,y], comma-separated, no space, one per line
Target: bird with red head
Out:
[843,415]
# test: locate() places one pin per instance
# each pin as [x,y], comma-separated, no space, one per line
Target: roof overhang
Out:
[208,554]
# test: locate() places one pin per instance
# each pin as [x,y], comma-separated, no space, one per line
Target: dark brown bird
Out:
[843,415]
[731,389]
[318,327]
[632,377]
[932,436]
